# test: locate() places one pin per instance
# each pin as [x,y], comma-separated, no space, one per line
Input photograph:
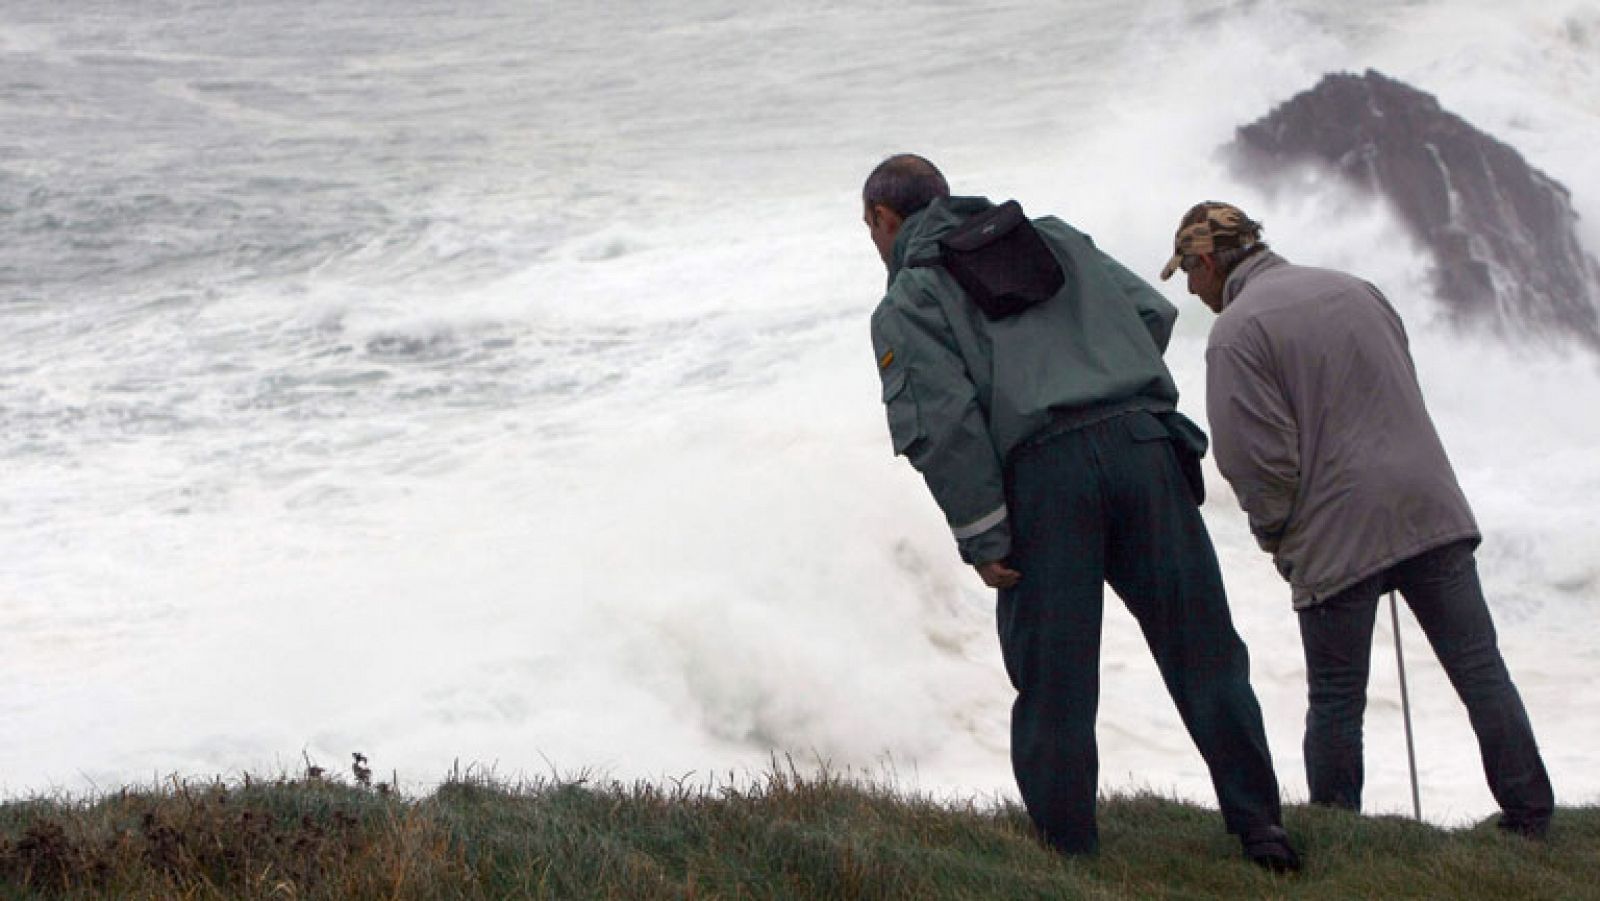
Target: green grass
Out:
[786,836]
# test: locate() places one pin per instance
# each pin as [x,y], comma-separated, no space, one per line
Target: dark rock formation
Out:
[1502,233]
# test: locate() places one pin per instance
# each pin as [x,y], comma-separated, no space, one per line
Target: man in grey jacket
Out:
[1321,429]
[1043,420]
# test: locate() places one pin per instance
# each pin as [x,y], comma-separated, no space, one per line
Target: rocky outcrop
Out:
[1502,233]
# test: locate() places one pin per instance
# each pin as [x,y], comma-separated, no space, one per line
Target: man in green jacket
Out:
[1047,432]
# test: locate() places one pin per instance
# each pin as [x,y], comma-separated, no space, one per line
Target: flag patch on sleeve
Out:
[886,359]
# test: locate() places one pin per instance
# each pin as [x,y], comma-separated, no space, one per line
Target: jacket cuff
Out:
[1268,539]
[986,540]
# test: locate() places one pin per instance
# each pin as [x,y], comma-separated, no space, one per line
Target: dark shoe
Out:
[1270,849]
[1531,828]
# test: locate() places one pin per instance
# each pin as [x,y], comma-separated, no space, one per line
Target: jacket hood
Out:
[920,233]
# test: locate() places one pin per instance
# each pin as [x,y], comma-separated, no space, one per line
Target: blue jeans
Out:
[1442,589]
[1108,502]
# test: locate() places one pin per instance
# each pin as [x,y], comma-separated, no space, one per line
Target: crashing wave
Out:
[1502,233]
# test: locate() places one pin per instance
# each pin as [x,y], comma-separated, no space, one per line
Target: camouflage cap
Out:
[1209,227]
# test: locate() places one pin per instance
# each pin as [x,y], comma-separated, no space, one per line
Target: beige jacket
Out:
[1320,427]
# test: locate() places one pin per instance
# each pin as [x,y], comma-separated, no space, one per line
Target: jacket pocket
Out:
[1187,450]
[1144,426]
[905,425]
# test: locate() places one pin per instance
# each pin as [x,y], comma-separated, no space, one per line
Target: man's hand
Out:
[996,574]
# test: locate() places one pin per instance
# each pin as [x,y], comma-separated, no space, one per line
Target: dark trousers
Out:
[1441,586]
[1105,503]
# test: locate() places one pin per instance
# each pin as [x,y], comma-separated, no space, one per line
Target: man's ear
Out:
[887,219]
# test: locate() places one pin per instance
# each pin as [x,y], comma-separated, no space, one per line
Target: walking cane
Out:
[1405,709]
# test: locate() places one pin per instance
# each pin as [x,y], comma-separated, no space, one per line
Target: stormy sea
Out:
[491,383]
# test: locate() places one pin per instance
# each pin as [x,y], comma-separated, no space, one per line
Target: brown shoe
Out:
[1529,827]
[1270,849]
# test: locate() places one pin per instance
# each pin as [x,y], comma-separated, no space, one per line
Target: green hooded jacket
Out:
[963,392]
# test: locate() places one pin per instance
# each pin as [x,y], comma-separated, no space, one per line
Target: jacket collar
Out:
[1245,271]
[919,235]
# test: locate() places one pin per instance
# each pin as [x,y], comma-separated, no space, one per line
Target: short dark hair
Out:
[905,183]
[1231,257]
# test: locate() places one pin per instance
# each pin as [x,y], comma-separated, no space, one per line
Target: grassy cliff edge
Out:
[783,836]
